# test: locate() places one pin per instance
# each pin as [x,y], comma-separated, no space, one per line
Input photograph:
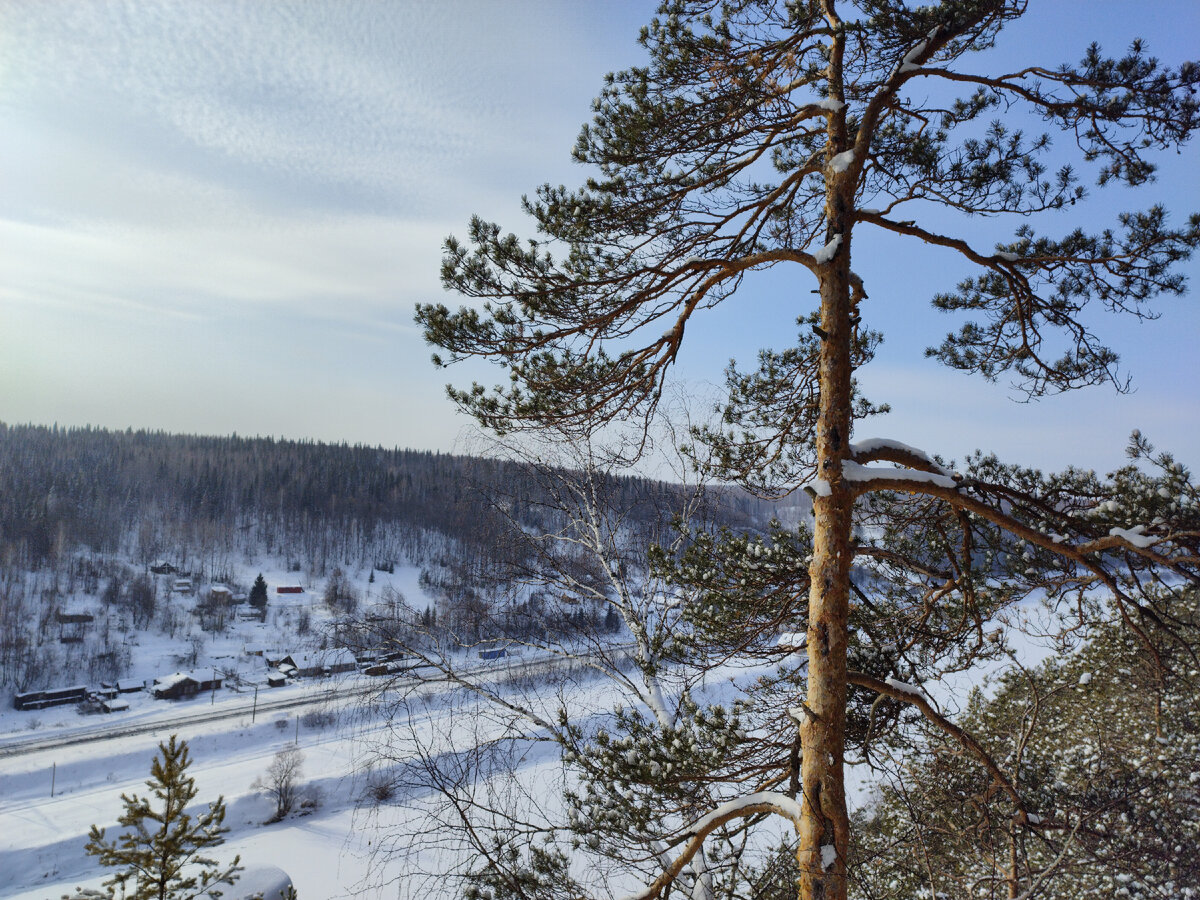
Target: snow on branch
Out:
[904,687]
[852,471]
[893,451]
[826,253]
[742,807]
[818,487]
[1135,536]
[922,470]
[842,161]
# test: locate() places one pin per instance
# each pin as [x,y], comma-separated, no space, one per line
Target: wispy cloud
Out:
[200,198]
[324,104]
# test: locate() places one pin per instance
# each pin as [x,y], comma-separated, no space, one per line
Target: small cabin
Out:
[106,691]
[321,663]
[339,660]
[181,685]
[50,697]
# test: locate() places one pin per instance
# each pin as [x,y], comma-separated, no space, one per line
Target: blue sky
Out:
[217,217]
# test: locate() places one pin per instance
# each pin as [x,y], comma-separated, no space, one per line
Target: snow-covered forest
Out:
[98,527]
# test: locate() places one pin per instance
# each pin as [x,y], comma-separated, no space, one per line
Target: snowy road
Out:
[112,730]
[314,696]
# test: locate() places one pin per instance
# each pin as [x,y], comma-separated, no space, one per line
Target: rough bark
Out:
[825,822]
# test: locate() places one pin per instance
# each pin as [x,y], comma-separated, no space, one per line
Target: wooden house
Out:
[180,685]
[320,663]
[106,691]
[50,697]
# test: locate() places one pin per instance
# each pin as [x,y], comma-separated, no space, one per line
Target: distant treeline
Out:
[197,500]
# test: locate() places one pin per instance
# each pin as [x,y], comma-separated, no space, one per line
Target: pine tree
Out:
[849,110]
[258,592]
[1107,749]
[164,853]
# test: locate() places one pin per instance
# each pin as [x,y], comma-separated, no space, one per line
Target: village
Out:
[251,663]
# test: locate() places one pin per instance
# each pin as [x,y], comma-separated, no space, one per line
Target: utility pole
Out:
[53,774]
[254,710]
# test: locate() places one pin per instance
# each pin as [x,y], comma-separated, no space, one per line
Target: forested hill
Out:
[196,499]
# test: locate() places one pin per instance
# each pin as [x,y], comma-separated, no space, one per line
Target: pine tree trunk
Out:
[825,829]
[825,825]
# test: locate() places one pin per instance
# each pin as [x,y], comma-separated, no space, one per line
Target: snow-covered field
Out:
[329,852]
[342,846]
[50,798]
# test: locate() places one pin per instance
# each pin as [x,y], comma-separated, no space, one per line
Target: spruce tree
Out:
[258,592]
[769,135]
[164,853]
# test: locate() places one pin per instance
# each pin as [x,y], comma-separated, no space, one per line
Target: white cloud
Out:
[378,103]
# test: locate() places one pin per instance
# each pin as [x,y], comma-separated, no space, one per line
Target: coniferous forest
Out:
[86,514]
[198,500]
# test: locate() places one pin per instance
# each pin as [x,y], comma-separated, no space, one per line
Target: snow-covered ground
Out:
[49,799]
[328,852]
[340,848]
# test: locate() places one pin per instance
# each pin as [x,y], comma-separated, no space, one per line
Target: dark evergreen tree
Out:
[258,592]
[852,104]
[164,854]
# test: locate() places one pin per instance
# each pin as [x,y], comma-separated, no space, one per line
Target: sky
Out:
[217,217]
